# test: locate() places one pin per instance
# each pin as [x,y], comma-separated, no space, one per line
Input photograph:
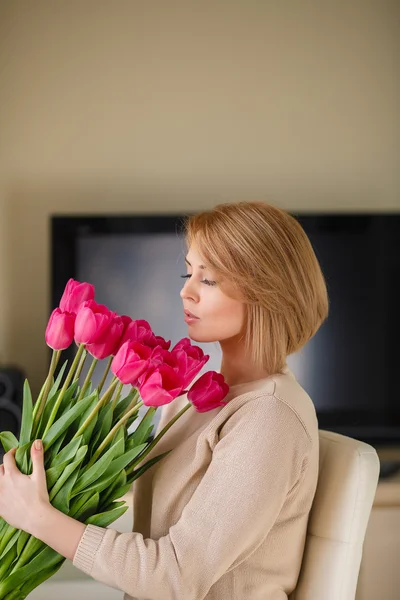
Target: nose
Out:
[189,291]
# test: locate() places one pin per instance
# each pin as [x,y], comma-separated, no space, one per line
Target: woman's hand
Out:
[23,498]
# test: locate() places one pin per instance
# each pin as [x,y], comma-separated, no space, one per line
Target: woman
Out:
[224,515]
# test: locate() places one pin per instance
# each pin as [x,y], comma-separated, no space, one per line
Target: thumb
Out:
[37,455]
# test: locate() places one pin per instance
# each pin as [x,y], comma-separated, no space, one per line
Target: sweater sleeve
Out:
[259,456]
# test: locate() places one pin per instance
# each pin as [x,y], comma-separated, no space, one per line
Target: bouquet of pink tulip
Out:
[91,458]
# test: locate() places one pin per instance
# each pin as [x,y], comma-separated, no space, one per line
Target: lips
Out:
[191,315]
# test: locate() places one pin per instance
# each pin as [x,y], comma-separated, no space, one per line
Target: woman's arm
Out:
[57,530]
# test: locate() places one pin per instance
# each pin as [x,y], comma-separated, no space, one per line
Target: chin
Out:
[201,339]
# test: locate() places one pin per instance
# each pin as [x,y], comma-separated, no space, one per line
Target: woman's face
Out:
[211,315]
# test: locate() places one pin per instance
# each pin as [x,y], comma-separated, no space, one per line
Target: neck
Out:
[236,366]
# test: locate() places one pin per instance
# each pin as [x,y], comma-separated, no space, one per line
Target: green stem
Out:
[87,379]
[81,363]
[158,437]
[113,431]
[64,388]
[98,406]
[38,401]
[117,396]
[41,403]
[103,379]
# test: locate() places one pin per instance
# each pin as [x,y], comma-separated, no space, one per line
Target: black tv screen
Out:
[349,367]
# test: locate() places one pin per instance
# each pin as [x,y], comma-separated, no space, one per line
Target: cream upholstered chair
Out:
[348,477]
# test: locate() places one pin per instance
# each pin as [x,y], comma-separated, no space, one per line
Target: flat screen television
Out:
[349,368]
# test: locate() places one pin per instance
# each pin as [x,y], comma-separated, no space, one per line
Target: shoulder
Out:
[277,406]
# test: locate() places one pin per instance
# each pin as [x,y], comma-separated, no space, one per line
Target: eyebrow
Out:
[200,266]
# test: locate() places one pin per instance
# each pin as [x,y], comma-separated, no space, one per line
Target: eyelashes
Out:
[206,281]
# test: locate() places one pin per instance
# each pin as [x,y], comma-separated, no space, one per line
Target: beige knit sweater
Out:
[224,515]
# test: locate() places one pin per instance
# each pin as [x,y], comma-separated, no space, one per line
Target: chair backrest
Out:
[348,478]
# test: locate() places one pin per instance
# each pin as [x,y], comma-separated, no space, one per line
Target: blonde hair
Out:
[263,256]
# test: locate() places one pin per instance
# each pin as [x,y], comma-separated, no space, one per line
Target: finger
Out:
[9,462]
[37,455]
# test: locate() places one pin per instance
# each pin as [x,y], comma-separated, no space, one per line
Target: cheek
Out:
[223,320]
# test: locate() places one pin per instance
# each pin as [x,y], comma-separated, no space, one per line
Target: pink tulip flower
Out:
[136,331]
[60,329]
[161,386]
[191,359]
[208,391]
[131,361]
[158,341]
[92,322]
[75,294]
[161,356]
[109,343]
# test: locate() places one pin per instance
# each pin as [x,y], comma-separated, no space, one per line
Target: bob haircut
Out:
[262,256]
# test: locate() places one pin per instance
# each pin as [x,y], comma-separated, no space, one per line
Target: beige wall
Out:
[146,106]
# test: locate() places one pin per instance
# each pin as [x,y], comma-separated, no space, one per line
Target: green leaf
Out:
[22,540]
[138,472]
[88,390]
[8,440]
[3,525]
[7,561]
[120,492]
[106,518]
[65,405]
[15,595]
[87,432]
[63,422]
[47,556]
[131,420]
[54,473]
[6,535]
[94,400]
[122,406]
[119,482]
[68,452]
[80,455]
[27,412]
[40,577]
[62,460]
[120,435]
[140,433]
[31,549]
[62,500]
[57,382]
[130,443]
[104,412]
[89,508]
[103,426]
[95,471]
[78,502]
[52,452]
[21,457]
[114,469]
[122,461]
[112,505]
[11,541]
[116,494]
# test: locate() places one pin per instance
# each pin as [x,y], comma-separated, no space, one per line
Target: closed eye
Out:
[206,281]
